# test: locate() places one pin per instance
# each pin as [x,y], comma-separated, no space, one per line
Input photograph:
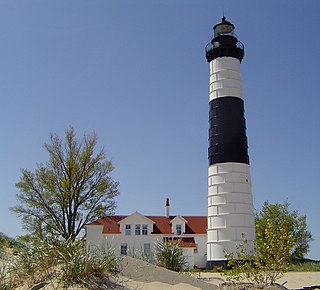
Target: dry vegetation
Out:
[27,263]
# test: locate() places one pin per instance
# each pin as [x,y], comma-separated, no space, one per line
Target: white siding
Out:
[200,258]
[225,78]
[94,237]
[230,208]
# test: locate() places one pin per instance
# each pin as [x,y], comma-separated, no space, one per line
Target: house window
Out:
[123,249]
[128,230]
[138,230]
[144,230]
[178,230]
[146,249]
[196,249]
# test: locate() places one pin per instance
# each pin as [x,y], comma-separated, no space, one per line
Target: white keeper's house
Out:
[137,234]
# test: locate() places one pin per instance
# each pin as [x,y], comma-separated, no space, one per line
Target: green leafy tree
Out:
[278,214]
[73,187]
[268,261]
[281,236]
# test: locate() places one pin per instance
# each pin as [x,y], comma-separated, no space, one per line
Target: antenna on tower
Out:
[222,9]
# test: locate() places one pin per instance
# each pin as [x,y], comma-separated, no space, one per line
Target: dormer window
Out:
[144,230]
[138,230]
[128,230]
[178,230]
[178,225]
[136,224]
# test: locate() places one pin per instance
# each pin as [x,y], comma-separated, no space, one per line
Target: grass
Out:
[305,265]
[170,255]
[32,261]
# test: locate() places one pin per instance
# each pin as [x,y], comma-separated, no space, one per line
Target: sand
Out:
[300,279]
[145,273]
[137,274]
[141,275]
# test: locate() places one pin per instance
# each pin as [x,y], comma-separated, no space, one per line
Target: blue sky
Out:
[135,73]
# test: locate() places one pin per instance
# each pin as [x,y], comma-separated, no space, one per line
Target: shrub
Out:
[6,243]
[139,254]
[170,256]
[7,280]
[282,237]
[268,261]
[66,262]
[78,265]
[35,261]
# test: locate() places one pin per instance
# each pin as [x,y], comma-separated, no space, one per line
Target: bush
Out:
[61,261]
[6,243]
[267,263]
[7,280]
[3,242]
[78,265]
[282,237]
[170,256]
[35,260]
[139,254]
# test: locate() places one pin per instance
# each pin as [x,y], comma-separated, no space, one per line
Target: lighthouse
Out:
[230,203]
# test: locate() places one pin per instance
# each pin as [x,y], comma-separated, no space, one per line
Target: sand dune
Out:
[137,274]
[145,276]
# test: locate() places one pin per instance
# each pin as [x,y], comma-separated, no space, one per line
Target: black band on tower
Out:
[227,131]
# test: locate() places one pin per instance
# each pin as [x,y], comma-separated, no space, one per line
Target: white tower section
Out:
[230,209]
[225,78]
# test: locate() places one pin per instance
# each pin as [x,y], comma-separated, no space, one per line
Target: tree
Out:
[269,259]
[61,196]
[278,214]
[281,237]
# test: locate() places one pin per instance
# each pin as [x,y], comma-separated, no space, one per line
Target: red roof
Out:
[184,242]
[109,223]
[194,225]
[187,243]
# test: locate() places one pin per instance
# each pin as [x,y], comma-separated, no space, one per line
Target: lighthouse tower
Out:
[230,206]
